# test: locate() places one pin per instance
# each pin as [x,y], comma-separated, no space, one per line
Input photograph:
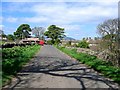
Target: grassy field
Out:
[14,58]
[106,68]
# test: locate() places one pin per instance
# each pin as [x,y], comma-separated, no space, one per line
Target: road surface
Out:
[51,68]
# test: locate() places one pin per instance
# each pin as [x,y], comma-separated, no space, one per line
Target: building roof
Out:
[30,39]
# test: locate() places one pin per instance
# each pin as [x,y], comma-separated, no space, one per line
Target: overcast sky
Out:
[79,19]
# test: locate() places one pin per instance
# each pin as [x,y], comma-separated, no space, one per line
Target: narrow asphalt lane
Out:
[51,68]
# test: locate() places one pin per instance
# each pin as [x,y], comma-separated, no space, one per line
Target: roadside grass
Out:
[14,58]
[106,68]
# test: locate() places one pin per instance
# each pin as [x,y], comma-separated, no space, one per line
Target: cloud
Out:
[1,27]
[71,28]
[15,6]
[69,15]
[9,30]
[34,19]
[60,0]
[11,19]
[65,13]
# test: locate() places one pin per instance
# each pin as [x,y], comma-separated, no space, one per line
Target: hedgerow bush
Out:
[14,58]
[83,44]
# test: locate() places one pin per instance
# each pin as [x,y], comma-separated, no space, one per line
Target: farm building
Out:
[30,40]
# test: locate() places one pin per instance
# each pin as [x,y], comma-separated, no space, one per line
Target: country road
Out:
[50,68]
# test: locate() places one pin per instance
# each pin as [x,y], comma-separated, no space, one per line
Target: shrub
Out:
[83,44]
[13,58]
[68,43]
[49,42]
[57,41]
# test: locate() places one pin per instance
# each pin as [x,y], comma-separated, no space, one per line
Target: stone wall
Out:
[88,51]
[101,55]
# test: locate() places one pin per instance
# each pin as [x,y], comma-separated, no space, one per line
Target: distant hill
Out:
[65,38]
[68,38]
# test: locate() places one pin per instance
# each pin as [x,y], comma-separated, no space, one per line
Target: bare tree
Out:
[108,30]
[38,31]
[110,39]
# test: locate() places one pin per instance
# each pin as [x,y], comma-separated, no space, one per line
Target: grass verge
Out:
[99,65]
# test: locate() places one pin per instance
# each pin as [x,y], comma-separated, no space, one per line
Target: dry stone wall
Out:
[102,55]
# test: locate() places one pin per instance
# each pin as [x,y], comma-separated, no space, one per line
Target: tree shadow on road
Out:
[71,69]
